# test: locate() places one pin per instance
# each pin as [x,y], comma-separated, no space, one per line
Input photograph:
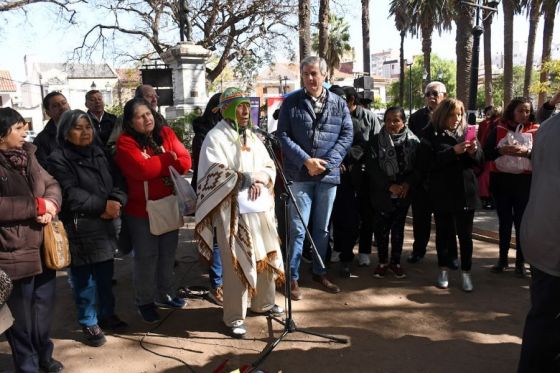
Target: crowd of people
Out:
[350,176]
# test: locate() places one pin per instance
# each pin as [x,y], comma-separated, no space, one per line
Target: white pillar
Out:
[188,62]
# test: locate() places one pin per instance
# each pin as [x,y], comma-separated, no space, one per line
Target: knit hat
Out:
[229,100]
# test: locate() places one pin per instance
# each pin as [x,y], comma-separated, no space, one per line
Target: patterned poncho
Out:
[252,237]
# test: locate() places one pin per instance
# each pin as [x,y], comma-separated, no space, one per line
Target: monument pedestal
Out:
[188,62]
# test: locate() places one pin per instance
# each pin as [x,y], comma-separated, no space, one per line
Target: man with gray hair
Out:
[434,93]
[315,131]
[148,93]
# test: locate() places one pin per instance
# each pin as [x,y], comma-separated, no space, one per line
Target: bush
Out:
[183,129]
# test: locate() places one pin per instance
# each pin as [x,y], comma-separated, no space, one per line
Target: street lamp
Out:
[409,87]
[440,74]
[93,85]
[477,32]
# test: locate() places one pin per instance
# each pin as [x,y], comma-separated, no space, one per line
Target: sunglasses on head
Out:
[432,93]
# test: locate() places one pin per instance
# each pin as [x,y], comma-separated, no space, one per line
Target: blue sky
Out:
[41,32]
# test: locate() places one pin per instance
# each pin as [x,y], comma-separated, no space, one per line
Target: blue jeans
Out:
[93,291]
[154,259]
[215,270]
[315,201]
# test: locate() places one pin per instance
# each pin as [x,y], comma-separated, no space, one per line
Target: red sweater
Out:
[137,169]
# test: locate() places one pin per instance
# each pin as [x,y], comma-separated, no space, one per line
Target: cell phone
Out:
[470,135]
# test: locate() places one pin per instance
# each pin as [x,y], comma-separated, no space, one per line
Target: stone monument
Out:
[188,62]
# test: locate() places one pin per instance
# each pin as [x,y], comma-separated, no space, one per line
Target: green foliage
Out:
[498,87]
[116,110]
[447,68]
[338,43]
[377,104]
[552,84]
[183,128]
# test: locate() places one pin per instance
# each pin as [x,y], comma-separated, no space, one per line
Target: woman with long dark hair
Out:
[510,190]
[144,153]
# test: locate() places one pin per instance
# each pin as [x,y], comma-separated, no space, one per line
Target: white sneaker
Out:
[467,282]
[363,260]
[238,329]
[443,279]
[335,256]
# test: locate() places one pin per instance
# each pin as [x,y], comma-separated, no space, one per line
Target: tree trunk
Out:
[533,24]
[401,77]
[323,28]
[488,89]
[463,50]
[304,29]
[365,36]
[427,52]
[508,51]
[549,8]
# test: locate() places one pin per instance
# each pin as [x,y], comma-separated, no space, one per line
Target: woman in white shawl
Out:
[235,203]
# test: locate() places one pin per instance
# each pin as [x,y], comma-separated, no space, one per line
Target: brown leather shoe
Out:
[323,280]
[296,292]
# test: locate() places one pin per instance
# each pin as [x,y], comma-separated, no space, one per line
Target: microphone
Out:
[266,135]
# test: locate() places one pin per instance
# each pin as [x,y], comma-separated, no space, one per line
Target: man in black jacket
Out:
[55,104]
[434,93]
[103,121]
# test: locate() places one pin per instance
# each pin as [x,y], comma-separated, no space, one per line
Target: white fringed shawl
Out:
[253,237]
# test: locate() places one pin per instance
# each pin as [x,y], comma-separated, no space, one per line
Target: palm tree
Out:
[549,9]
[428,15]
[401,10]
[338,42]
[323,27]
[510,8]
[463,16]
[304,15]
[534,14]
[488,83]
[365,36]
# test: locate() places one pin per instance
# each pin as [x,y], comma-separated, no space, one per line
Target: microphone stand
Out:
[289,323]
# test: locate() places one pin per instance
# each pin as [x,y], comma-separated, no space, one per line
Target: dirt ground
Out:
[391,325]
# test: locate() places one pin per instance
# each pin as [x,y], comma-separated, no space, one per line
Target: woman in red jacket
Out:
[144,153]
[510,190]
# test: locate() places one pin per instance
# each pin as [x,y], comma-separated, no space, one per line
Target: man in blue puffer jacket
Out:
[315,131]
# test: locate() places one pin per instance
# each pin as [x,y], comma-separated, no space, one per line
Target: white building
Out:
[378,60]
[72,80]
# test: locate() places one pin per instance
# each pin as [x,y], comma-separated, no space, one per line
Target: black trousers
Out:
[510,206]
[32,305]
[449,225]
[421,221]
[390,224]
[540,350]
[346,218]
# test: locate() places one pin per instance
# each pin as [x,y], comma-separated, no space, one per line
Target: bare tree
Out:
[65,6]
[323,26]
[233,30]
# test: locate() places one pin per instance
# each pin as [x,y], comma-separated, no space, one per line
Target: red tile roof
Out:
[6,83]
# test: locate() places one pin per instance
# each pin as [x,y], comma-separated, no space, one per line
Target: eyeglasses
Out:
[433,93]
